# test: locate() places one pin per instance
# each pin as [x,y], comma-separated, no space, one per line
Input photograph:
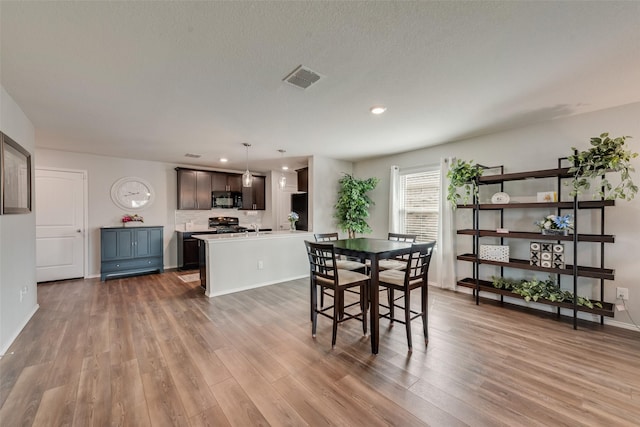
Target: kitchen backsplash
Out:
[201,218]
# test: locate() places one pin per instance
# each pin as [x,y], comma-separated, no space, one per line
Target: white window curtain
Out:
[445,255]
[394,200]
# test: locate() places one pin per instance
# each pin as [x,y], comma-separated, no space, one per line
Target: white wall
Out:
[103,171]
[17,238]
[538,147]
[324,175]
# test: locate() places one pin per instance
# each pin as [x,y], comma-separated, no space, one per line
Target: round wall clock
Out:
[500,198]
[132,193]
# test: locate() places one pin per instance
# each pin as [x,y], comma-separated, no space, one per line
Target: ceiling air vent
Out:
[302,77]
[193,156]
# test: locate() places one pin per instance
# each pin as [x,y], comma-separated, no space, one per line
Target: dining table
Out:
[373,250]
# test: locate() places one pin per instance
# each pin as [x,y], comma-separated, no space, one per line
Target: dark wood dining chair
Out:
[395,263]
[413,276]
[325,274]
[400,262]
[341,263]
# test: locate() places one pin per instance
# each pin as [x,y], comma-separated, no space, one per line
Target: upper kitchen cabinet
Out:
[234,181]
[222,181]
[253,198]
[194,189]
[303,179]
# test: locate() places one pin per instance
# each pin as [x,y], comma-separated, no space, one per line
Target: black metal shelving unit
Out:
[572,270]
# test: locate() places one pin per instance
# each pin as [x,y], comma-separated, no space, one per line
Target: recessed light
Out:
[378,109]
[223,160]
[285,168]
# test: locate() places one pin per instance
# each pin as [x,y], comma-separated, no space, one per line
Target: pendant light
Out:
[282,182]
[247,179]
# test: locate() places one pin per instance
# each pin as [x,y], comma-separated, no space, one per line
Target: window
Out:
[418,211]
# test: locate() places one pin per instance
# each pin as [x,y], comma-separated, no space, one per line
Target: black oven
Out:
[226,199]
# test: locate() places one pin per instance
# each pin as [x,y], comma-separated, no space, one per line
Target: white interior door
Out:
[60,224]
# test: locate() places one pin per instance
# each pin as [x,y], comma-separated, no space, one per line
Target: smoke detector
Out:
[302,77]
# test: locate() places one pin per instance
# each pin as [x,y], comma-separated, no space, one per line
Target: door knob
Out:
[78,231]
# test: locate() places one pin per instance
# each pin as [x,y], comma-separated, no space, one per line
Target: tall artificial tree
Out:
[352,207]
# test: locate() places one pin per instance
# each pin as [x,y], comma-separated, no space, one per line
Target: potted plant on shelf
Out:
[556,224]
[605,156]
[352,207]
[535,289]
[463,174]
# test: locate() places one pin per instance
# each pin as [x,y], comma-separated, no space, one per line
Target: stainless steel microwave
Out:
[226,200]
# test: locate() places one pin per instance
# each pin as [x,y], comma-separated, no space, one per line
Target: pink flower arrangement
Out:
[132,218]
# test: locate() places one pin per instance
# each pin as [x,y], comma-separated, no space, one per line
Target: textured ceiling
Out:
[155,80]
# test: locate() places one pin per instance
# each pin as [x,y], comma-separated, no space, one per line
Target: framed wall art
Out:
[15,176]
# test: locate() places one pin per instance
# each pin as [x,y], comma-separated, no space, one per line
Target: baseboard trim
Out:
[583,316]
[619,324]
[259,285]
[6,347]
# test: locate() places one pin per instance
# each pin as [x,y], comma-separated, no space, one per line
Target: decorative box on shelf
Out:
[494,253]
[547,196]
[547,255]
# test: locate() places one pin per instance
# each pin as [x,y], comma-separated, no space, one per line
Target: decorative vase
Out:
[293,225]
[552,232]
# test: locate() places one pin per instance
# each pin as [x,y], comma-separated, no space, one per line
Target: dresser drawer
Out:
[129,264]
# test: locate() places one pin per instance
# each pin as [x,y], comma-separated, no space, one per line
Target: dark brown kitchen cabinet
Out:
[222,181]
[188,249]
[194,189]
[303,179]
[202,263]
[219,181]
[234,181]
[253,198]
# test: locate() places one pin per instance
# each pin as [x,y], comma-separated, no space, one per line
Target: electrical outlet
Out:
[622,293]
[260,265]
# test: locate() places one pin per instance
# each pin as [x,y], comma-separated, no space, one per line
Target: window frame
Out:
[434,208]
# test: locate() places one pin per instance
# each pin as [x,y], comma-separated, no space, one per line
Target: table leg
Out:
[374,298]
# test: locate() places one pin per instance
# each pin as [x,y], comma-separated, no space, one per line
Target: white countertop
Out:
[252,236]
[193,229]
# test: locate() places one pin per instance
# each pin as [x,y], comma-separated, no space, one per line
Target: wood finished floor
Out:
[154,351]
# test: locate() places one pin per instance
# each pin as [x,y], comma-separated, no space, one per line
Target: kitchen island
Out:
[241,261]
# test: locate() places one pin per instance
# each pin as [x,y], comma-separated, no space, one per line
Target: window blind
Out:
[419,209]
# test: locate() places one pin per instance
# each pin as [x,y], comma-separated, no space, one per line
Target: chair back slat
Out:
[410,238]
[325,237]
[322,260]
[418,263]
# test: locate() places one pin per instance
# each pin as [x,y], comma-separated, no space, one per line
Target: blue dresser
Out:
[129,251]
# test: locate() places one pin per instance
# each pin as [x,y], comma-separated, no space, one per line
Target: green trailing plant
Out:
[503,282]
[606,155]
[534,290]
[352,207]
[463,175]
